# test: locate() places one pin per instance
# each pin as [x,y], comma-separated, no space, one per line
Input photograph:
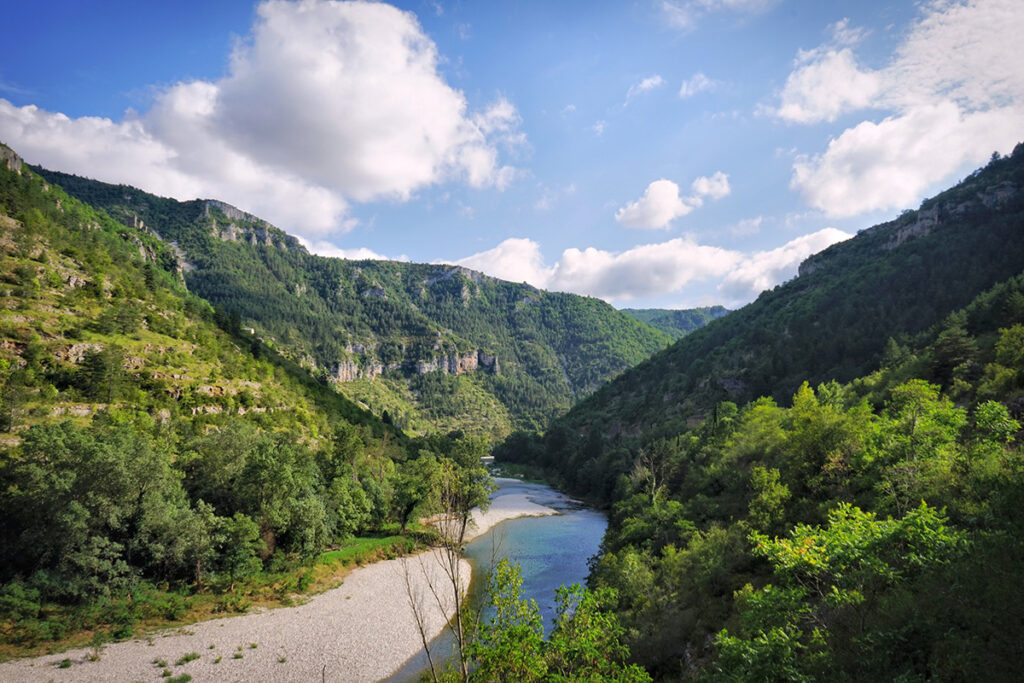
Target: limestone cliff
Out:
[231,224]
[451,364]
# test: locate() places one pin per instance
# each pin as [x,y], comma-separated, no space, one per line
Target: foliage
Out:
[585,644]
[156,453]
[897,280]
[676,323]
[864,530]
[551,348]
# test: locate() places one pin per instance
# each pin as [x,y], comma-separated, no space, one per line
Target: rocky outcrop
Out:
[10,160]
[76,353]
[245,227]
[924,222]
[348,371]
[451,364]
[914,224]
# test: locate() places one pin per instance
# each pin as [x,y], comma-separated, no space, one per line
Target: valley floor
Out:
[363,630]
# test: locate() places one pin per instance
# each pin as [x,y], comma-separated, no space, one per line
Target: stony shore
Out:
[362,630]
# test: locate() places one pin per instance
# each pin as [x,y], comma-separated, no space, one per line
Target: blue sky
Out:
[664,153]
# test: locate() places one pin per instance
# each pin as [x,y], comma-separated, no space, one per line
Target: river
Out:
[551,551]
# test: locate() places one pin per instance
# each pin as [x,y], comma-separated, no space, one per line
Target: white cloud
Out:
[660,205]
[646,85]
[892,163]
[325,248]
[716,187]
[327,102]
[826,85]
[651,269]
[685,14]
[599,127]
[764,269]
[644,270]
[515,260]
[953,91]
[696,84]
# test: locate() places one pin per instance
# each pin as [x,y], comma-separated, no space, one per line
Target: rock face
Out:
[10,160]
[453,364]
[922,222]
[245,227]
[75,353]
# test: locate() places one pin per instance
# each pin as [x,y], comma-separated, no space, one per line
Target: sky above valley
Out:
[656,153]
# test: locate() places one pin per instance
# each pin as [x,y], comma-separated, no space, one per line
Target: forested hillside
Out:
[437,347]
[676,323]
[868,529]
[155,458]
[833,321]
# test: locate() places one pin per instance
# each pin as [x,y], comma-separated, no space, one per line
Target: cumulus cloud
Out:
[661,203]
[651,269]
[891,163]
[515,259]
[826,85]
[644,270]
[646,85]
[327,102]
[952,92]
[716,187]
[764,269]
[696,84]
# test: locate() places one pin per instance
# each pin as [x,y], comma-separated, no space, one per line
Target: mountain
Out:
[435,346]
[154,456]
[833,321]
[794,489]
[676,323]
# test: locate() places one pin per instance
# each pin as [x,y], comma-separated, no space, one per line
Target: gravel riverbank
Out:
[362,630]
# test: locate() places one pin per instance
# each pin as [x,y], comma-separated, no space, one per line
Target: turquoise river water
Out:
[551,551]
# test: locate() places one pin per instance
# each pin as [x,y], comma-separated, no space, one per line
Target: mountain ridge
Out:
[436,346]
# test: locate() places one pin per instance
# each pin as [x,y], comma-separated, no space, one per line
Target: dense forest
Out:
[825,484]
[158,461]
[676,323]
[383,327]
[833,321]
[862,529]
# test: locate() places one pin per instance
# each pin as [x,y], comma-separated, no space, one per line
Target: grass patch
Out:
[186,658]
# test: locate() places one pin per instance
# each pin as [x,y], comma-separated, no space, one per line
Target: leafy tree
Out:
[510,642]
[834,582]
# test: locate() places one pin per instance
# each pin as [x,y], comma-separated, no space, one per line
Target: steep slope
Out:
[437,347]
[831,322]
[156,459]
[676,323]
[815,535]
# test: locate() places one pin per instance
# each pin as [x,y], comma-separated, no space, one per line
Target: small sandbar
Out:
[507,503]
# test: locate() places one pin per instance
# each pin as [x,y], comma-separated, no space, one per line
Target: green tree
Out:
[838,583]
[509,645]
[586,642]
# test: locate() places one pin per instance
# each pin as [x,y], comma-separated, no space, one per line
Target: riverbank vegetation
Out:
[864,530]
[158,462]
